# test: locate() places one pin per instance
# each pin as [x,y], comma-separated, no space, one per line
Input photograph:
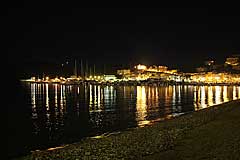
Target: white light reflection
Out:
[47,98]
[90,96]
[39,89]
[218,94]
[195,96]
[174,96]
[95,97]
[141,106]
[99,97]
[102,95]
[56,100]
[179,94]
[106,94]
[33,100]
[111,94]
[62,104]
[62,98]
[56,96]
[33,95]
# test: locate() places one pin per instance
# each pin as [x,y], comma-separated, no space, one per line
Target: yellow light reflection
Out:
[141,106]
[149,94]
[198,97]
[210,96]
[153,93]
[203,98]
[156,96]
[167,97]
[238,92]
[234,93]
[124,92]
[225,94]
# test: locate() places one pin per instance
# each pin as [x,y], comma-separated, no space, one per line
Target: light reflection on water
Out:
[210,96]
[141,105]
[62,113]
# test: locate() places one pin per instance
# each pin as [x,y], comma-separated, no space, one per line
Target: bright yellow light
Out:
[141,67]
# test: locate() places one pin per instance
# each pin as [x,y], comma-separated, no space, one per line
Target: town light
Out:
[141,67]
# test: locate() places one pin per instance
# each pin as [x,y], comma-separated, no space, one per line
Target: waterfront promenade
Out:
[209,133]
[134,83]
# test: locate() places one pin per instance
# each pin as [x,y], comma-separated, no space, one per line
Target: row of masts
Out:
[85,71]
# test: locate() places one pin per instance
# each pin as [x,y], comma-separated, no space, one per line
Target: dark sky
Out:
[44,37]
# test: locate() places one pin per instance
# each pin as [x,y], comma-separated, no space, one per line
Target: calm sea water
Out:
[67,113]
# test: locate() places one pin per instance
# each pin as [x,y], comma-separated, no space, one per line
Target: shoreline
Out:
[136,142]
[134,83]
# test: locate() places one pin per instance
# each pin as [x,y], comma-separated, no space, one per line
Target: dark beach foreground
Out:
[211,133]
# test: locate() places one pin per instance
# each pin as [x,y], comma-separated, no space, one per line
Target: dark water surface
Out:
[66,113]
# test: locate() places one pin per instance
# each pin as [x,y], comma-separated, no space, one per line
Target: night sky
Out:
[42,38]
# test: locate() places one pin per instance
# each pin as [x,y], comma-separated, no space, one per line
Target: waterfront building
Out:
[233,61]
[123,72]
[110,77]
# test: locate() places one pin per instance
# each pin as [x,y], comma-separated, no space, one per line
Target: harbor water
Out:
[62,114]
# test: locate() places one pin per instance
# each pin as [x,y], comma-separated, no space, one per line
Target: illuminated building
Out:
[233,61]
[211,77]
[141,67]
[123,71]
[162,68]
[110,77]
